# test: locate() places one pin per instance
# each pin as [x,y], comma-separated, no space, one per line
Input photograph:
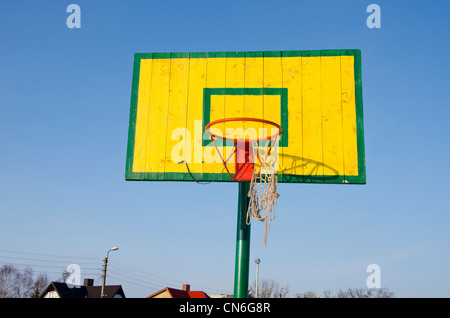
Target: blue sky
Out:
[64,107]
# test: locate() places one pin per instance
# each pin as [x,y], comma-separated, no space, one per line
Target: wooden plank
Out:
[292,80]
[197,81]
[273,78]
[215,78]
[234,101]
[333,158]
[253,98]
[143,109]
[157,129]
[177,117]
[312,119]
[254,79]
[349,116]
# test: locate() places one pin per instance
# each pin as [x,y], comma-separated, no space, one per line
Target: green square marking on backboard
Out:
[282,92]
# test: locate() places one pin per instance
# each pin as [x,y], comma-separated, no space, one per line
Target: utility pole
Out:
[105,263]
[257,261]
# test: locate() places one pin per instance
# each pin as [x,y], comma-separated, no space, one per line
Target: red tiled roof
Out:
[197,294]
[178,293]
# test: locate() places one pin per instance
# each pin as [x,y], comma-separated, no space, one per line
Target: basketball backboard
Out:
[315,96]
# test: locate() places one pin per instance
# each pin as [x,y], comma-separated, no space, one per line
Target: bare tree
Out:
[39,285]
[308,294]
[64,275]
[15,283]
[327,294]
[23,283]
[268,288]
[365,293]
[351,293]
[381,293]
[7,276]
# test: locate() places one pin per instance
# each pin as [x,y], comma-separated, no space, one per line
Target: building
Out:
[87,290]
[185,292]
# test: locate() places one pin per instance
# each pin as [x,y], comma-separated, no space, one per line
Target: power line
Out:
[47,266]
[141,275]
[43,260]
[166,281]
[40,262]
[129,282]
[160,281]
[50,255]
[46,272]
[139,279]
[140,282]
[140,272]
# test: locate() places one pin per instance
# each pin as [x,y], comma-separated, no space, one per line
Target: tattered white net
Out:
[263,186]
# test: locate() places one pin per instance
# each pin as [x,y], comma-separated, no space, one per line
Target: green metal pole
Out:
[242,244]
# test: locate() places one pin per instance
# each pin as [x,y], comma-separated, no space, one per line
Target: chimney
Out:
[186,287]
[88,282]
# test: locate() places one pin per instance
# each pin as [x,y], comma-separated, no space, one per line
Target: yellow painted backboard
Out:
[315,96]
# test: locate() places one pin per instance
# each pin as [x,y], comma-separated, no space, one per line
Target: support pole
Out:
[105,263]
[242,243]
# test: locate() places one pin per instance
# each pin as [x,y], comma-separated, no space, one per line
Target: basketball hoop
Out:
[243,147]
[263,180]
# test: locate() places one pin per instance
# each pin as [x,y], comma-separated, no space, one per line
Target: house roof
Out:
[179,293]
[110,291]
[64,291]
[197,294]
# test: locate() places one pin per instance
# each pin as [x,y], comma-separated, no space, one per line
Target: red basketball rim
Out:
[223,120]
